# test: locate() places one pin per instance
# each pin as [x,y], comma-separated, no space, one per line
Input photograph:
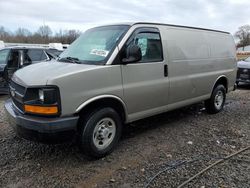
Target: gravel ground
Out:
[147,147]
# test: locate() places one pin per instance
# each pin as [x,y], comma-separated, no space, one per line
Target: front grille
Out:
[17,93]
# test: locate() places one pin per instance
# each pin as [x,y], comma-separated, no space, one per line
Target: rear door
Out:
[146,82]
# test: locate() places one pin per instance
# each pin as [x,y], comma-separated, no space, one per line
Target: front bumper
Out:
[41,129]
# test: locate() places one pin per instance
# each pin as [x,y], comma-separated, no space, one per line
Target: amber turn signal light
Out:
[47,110]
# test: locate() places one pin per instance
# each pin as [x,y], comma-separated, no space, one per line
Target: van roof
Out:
[171,25]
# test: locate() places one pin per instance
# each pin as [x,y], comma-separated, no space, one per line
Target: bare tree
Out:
[243,34]
[72,35]
[43,35]
[4,35]
[22,35]
[66,36]
[23,32]
[45,32]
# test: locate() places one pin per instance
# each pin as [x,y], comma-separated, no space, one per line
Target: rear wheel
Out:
[217,100]
[100,132]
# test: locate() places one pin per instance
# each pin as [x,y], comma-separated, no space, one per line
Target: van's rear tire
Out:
[217,100]
[99,132]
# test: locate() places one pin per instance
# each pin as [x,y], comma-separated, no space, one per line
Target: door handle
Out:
[165,70]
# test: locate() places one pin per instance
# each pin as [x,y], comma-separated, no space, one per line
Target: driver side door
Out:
[145,83]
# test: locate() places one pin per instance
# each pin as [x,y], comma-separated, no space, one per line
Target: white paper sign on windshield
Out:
[99,52]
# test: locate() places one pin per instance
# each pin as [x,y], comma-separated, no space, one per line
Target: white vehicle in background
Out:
[1,44]
[57,46]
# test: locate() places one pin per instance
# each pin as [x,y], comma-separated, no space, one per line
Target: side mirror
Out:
[133,54]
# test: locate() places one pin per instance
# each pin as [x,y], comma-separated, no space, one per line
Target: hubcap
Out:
[104,133]
[219,98]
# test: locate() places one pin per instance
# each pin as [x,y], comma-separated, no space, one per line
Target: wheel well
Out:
[222,81]
[105,102]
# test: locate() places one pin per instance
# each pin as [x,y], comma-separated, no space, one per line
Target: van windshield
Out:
[94,46]
[4,54]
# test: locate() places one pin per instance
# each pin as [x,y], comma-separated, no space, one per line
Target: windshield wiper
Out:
[70,59]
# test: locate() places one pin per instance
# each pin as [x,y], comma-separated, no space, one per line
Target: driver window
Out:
[150,45]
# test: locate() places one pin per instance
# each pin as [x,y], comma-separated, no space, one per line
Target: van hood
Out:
[42,73]
[243,64]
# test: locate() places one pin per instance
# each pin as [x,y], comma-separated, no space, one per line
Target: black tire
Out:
[88,138]
[212,106]
[237,83]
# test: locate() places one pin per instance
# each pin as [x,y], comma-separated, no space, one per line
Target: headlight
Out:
[42,101]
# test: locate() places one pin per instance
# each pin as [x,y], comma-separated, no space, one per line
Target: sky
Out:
[225,15]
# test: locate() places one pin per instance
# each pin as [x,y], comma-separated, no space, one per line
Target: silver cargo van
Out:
[112,75]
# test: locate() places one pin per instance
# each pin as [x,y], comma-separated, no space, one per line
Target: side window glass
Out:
[43,56]
[13,61]
[35,55]
[151,47]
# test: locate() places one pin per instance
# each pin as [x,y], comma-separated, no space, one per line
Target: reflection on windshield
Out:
[95,45]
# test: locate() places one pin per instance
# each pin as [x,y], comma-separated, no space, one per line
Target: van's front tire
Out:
[99,132]
[217,100]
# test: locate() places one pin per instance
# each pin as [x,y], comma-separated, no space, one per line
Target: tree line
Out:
[43,35]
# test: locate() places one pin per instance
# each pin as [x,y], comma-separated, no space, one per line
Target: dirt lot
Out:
[147,147]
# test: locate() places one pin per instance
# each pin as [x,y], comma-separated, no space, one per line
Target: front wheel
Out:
[100,132]
[217,100]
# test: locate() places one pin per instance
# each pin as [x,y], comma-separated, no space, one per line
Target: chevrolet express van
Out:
[116,74]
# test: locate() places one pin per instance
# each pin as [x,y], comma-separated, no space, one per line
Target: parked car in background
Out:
[243,73]
[13,58]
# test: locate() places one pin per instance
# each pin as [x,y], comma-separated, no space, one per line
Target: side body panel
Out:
[197,59]
[75,89]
